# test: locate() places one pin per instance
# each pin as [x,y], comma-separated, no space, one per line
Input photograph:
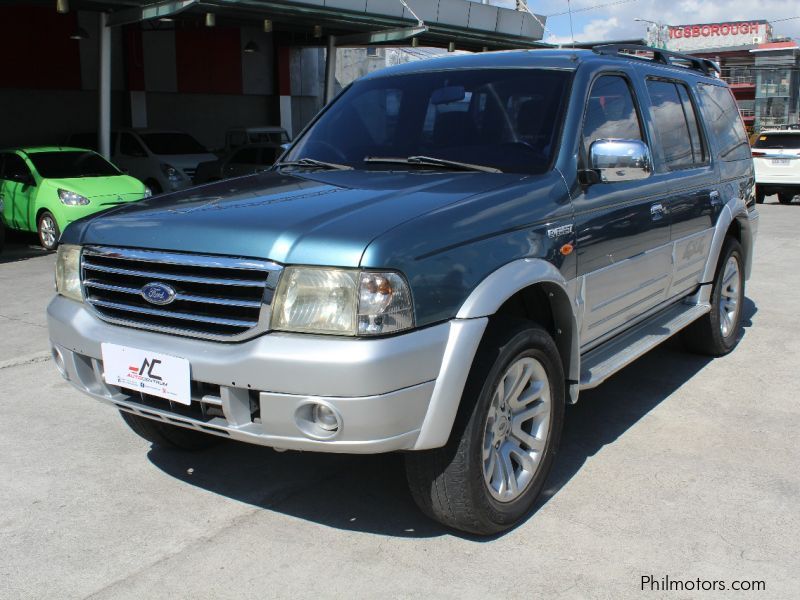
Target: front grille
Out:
[220,298]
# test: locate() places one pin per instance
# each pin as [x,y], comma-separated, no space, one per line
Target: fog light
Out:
[325,418]
[58,359]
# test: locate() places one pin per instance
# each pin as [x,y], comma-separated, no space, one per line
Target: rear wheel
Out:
[785,197]
[494,466]
[168,436]
[760,195]
[48,231]
[717,332]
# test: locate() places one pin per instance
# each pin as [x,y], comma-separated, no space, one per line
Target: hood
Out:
[313,218]
[101,187]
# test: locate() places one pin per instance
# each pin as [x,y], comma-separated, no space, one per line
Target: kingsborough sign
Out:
[718,35]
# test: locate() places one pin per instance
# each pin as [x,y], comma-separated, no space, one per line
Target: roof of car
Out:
[556,58]
[36,149]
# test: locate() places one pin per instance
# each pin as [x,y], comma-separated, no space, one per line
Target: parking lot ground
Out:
[679,467]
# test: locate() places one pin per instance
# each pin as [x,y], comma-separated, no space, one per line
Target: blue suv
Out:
[448,254]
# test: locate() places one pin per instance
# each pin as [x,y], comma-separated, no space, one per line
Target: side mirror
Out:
[620,160]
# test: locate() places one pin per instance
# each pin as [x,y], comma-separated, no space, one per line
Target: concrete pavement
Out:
[679,466]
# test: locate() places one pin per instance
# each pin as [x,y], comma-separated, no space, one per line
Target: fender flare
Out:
[467,329]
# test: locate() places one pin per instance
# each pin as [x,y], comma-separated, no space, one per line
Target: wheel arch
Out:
[535,290]
[549,298]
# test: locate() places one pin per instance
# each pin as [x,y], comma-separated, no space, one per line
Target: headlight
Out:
[71,198]
[147,192]
[342,302]
[171,173]
[68,272]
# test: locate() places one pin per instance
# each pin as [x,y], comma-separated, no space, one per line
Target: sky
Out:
[597,20]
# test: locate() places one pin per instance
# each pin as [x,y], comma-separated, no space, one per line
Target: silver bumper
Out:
[397,393]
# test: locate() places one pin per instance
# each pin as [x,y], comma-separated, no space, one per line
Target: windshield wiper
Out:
[313,162]
[431,161]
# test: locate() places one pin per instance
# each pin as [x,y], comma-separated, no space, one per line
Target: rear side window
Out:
[778,140]
[722,117]
[676,124]
[611,113]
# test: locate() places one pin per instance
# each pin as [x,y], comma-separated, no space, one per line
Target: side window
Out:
[719,110]
[15,169]
[611,113]
[129,146]
[675,124]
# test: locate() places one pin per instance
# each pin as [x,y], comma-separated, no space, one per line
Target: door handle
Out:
[657,211]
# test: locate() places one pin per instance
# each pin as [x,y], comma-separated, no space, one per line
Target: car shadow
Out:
[369,494]
[20,246]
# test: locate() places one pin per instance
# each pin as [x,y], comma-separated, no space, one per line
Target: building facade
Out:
[762,70]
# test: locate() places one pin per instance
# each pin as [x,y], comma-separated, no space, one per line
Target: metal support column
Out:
[104,87]
[330,69]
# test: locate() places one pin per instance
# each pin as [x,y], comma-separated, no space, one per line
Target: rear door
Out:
[622,227]
[684,168]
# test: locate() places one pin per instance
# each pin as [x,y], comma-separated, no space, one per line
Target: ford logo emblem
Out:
[158,293]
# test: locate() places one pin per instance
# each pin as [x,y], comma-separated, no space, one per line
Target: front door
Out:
[17,190]
[623,228]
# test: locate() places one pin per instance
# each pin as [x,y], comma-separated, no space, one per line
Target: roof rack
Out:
[665,57]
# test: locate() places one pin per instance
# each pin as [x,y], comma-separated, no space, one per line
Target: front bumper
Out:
[395,393]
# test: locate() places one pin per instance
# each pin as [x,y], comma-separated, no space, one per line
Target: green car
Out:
[45,189]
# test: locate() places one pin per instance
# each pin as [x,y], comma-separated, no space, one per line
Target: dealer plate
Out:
[780,161]
[147,372]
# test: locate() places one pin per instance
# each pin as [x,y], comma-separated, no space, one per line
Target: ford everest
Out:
[447,255]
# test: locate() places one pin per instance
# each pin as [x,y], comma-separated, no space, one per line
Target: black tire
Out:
[168,436]
[48,231]
[448,483]
[785,197]
[705,336]
[760,195]
[154,186]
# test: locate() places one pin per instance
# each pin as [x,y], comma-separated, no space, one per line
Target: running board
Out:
[602,362]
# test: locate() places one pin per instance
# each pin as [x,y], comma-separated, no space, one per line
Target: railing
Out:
[739,79]
[747,112]
[774,89]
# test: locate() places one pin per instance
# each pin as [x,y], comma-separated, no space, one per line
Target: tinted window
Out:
[130,146]
[675,123]
[246,156]
[172,143]
[695,137]
[63,165]
[476,116]
[778,140]
[611,113]
[722,116]
[15,169]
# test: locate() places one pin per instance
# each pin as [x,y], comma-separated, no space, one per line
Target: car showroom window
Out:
[674,127]
[611,112]
[722,116]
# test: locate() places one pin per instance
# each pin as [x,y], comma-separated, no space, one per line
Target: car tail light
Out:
[756,153]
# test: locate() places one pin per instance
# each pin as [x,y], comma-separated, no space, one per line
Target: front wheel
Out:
[717,333]
[785,197]
[506,433]
[48,231]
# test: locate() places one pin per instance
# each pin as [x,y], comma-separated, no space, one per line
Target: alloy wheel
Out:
[517,426]
[729,298]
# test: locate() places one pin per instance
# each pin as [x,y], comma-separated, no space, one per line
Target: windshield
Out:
[501,118]
[778,140]
[172,143]
[64,165]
